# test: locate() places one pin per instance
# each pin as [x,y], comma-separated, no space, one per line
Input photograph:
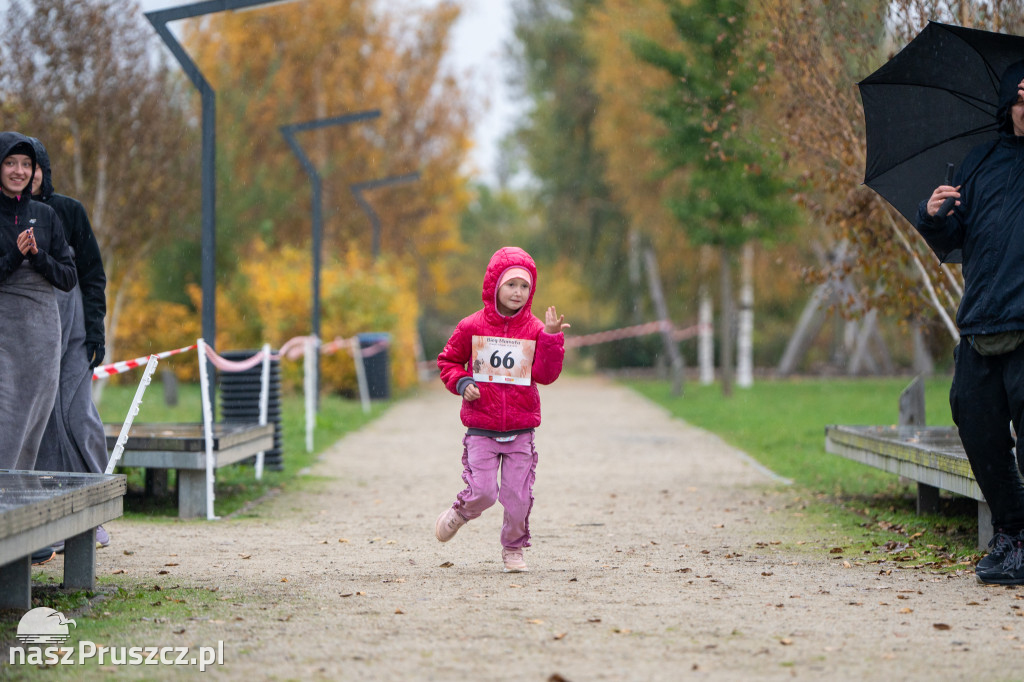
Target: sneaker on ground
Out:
[41,556]
[1010,571]
[102,537]
[513,558]
[448,524]
[998,547]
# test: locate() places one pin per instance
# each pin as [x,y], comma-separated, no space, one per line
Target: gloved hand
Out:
[95,352]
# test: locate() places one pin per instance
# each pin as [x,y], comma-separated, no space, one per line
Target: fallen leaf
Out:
[342,539]
[446,564]
[170,564]
[836,550]
[347,594]
[906,610]
[399,612]
[941,626]
[118,571]
[158,572]
[593,620]
[323,542]
[535,621]
[245,556]
[766,573]
[561,635]
[514,585]
[785,642]
[360,594]
[622,631]
[177,632]
[846,564]
[284,580]
[128,552]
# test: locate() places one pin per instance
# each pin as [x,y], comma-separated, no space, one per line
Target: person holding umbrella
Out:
[984,223]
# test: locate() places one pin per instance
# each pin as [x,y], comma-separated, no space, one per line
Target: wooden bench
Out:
[40,508]
[182,446]
[933,456]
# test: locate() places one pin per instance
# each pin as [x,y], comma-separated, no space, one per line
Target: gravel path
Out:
[660,553]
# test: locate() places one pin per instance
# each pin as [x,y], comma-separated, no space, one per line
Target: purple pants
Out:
[517,459]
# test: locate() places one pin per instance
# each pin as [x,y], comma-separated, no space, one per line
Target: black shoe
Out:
[41,556]
[1010,571]
[998,547]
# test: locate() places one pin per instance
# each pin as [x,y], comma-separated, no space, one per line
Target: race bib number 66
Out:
[501,360]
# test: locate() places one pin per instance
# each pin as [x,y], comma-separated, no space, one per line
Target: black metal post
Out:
[288,132]
[358,189]
[160,19]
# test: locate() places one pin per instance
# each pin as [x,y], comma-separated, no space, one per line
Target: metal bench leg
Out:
[80,561]
[927,499]
[984,524]
[191,493]
[16,584]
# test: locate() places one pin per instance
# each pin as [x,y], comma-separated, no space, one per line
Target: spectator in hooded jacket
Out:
[34,261]
[987,223]
[74,439]
[494,360]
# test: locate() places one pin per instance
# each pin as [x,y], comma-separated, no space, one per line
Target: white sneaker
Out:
[513,558]
[448,524]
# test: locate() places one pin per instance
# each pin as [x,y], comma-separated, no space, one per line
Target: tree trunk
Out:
[745,341]
[671,346]
[726,325]
[807,329]
[705,339]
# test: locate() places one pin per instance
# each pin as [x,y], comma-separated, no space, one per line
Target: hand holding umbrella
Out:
[946,194]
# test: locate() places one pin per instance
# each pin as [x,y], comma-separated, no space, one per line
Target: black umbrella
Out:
[929,105]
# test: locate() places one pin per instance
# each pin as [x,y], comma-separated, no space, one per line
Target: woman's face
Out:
[15,174]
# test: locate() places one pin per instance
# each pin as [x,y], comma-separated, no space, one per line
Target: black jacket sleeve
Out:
[53,257]
[92,279]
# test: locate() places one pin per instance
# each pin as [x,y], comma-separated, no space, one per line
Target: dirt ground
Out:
[659,553]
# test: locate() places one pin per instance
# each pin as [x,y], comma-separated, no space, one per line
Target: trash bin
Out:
[377,367]
[240,401]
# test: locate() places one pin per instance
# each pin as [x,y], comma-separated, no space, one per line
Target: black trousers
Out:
[988,392]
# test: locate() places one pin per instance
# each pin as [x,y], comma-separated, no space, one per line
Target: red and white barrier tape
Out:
[292,349]
[632,332]
[125,365]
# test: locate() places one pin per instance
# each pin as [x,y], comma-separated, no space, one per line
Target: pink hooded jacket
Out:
[502,407]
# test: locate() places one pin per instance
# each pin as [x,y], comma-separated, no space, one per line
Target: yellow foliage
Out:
[269,302]
[146,326]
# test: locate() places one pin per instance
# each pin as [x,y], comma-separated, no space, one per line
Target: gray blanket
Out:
[74,438]
[29,364]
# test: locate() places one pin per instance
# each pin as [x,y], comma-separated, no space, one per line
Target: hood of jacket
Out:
[43,159]
[504,258]
[1013,75]
[16,143]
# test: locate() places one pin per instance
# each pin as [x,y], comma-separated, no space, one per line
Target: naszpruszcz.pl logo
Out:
[42,631]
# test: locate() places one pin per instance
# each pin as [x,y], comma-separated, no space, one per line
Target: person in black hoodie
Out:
[987,223]
[34,259]
[74,439]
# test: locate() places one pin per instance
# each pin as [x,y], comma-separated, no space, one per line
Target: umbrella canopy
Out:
[929,105]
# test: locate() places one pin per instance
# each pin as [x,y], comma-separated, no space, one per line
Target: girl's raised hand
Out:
[553,322]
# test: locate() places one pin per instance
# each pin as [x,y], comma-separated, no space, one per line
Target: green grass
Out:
[235,485]
[781,424]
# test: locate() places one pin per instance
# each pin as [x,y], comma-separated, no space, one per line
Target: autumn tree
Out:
[820,54]
[584,225]
[733,191]
[80,76]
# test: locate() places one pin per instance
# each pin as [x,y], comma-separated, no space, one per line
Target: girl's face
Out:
[512,296]
[15,174]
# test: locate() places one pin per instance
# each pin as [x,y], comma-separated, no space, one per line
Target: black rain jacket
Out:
[53,258]
[92,279]
[988,225]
